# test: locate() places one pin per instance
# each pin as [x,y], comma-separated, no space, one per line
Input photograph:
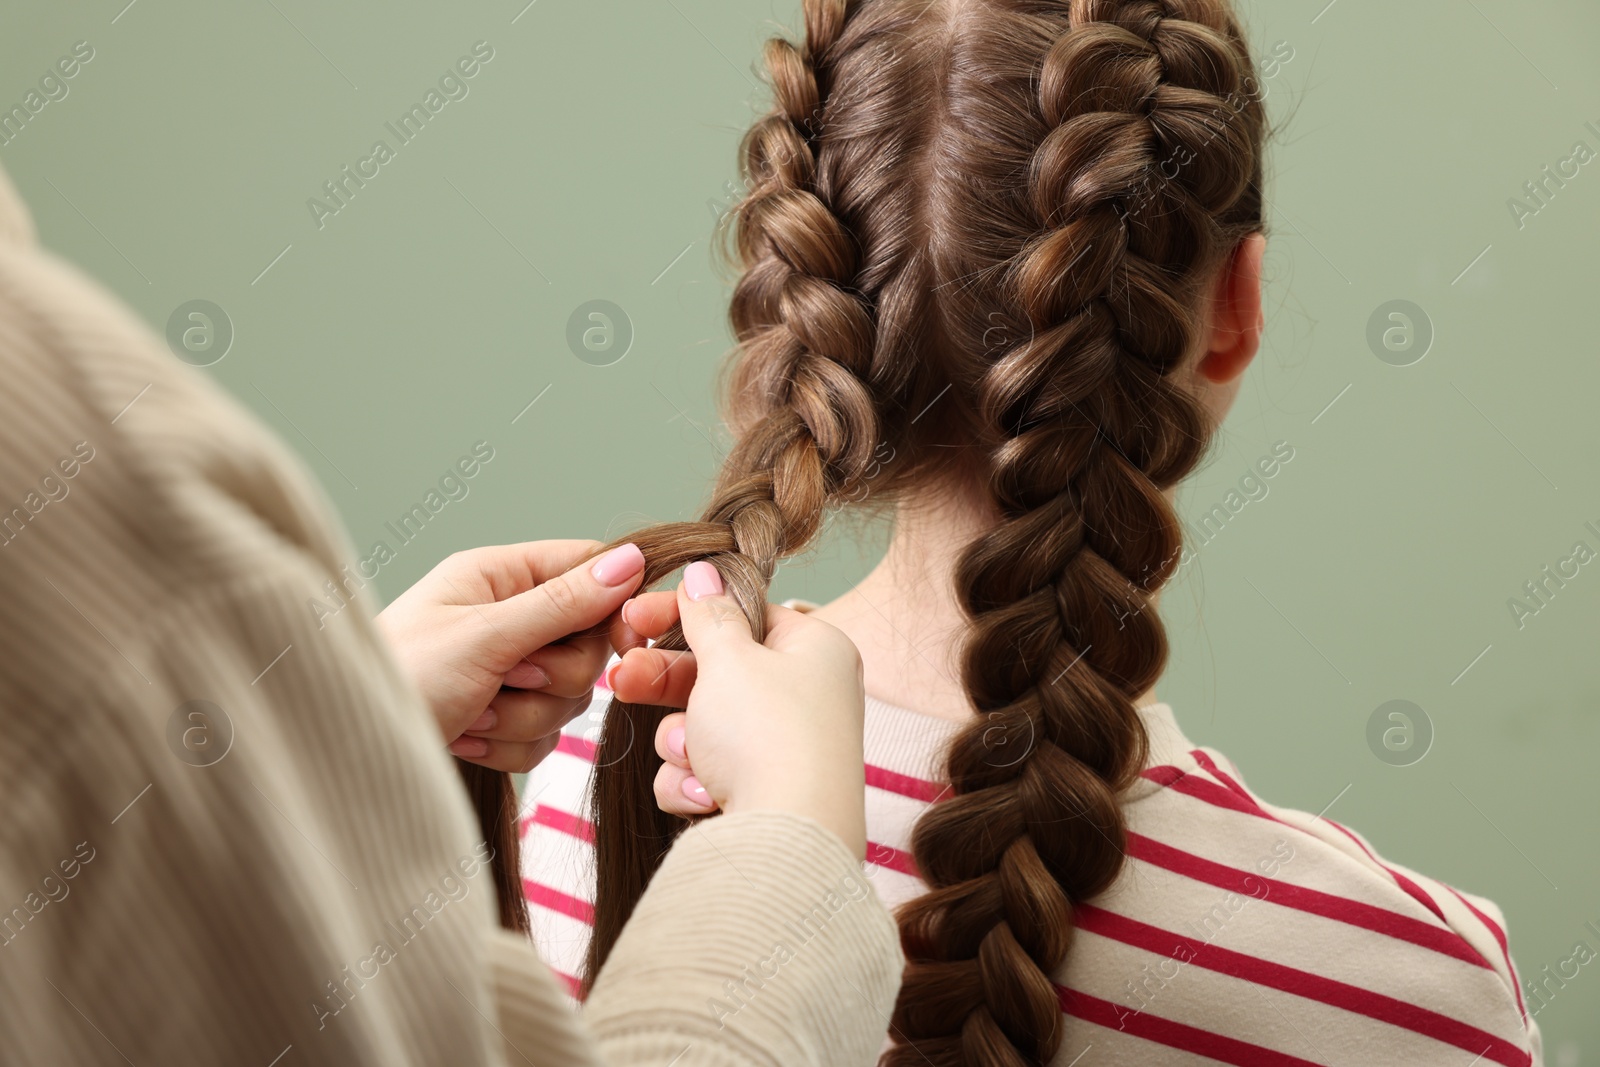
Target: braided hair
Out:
[809,428]
[1010,209]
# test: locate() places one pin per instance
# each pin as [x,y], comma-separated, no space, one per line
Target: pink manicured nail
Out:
[675,743]
[526,675]
[618,565]
[484,722]
[695,791]
[609,679]
[700,580]
[469,747]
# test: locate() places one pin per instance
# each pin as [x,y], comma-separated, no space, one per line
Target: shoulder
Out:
[1262,904]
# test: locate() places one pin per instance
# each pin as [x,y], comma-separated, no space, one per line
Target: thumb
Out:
[569,602]
[713,624]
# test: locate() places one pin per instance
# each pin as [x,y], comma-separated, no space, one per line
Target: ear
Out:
[1236,319]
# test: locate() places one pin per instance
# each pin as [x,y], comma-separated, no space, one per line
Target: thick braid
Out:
[1088,429]
[807,428]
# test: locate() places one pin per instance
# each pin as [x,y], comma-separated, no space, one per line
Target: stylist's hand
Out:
[478,635]
[774,726]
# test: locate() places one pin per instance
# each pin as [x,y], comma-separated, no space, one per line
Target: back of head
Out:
[976,242]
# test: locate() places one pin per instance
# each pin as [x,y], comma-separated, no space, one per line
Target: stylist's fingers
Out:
[677,790]
[670,744]
[513,757]
[713,624]
[651,614]
[517,715]
[654,676]
[571,601]
[506,570]
[643,619]
[620,635]
[680,793]
[567,669]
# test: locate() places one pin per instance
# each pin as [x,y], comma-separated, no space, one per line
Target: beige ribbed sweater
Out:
[316,895]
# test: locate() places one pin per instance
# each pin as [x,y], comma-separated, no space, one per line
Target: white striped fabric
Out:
[1238,933]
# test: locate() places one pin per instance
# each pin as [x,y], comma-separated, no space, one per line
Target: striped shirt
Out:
[1237,933]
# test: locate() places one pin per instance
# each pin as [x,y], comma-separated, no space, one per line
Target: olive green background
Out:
[589,160]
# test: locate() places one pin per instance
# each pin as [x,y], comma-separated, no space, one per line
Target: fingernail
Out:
[527,675]
[618,565]
[627,605]
[469,747]
[609,679]
[700,580]
[485,721]
[695,791]
[675,744]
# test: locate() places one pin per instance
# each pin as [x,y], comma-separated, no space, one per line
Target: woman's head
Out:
[1001,241]
[949,195]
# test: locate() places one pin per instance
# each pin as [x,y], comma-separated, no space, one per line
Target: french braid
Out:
[1089,428]
[809,427]
[1010,209]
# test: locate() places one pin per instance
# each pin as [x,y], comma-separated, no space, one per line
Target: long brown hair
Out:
[975,246]
[494,798]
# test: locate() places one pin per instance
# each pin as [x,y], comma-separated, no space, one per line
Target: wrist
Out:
[836,806]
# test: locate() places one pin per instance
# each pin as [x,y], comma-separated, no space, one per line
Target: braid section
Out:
[1088,428]
[807,425]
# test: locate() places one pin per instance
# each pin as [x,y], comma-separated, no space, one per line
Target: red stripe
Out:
[577,746]
[1415,891]
[1163,773]
[1181,781]
[562,821]
[1505,949]
[893,858]
[555,900]
[1173,1034]
[1494,927]
[1312,901]
[877,777]
[574,826]
[574,986]
[904,784]
[1237,798]
[565,822]
[1204,759]
[1300,983]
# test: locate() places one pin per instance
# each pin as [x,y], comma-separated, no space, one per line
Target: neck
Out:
[905,616]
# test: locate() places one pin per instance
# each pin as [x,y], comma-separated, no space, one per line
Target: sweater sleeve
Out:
[760,941]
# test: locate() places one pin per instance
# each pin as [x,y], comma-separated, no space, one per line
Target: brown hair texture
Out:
[494,799]
[1006,213]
